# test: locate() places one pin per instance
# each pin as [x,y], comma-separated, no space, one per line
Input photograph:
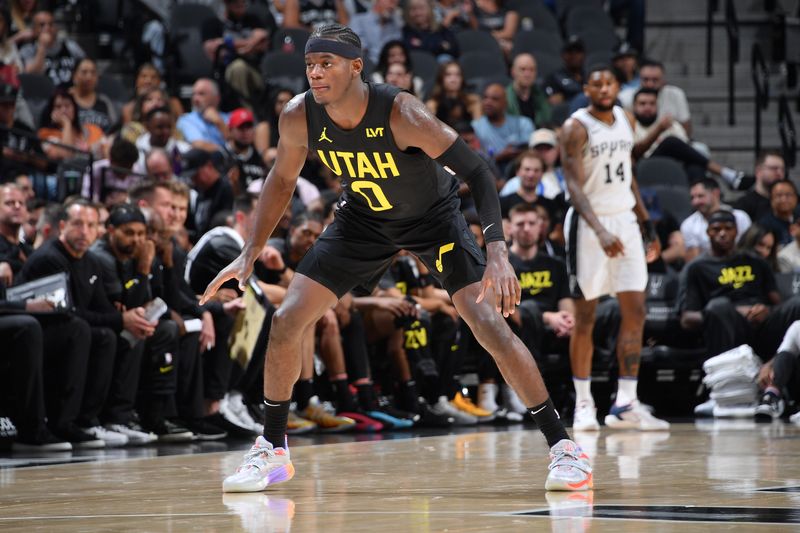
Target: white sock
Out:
[583,390]
[626,390]
[487,396]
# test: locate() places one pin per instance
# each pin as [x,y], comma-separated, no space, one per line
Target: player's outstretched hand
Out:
[499,275]
[239,269]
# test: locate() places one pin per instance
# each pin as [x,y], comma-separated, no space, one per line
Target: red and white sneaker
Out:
[569,468]
[262,466]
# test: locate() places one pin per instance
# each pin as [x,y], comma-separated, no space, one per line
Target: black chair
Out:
[36,90]
[598,40]
[587,17]
[537,41]
[788,284]
[189,16]
[425,66]
[112,87]
[661,303]
[285,70]
[546,64]
[533,14]
[660,171]
[481,68]
[674,200]
[290,40]
[477,41]
[599,56]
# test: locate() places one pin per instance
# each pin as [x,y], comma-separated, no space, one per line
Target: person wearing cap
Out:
[249,165]
[243,37]
[731,295]
[705,198]
[204,126]
[544,142]
[214,192]
[564,84]
[523,95]
[133,275]
[20,151]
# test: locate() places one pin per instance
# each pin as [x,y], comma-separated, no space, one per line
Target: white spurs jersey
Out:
[607,162]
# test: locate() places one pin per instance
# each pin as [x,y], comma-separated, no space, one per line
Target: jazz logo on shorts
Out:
[443,250]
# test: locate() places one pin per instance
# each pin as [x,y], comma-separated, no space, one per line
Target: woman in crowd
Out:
[266,134]
[146,102]
[160,133]
[60,123]
[761,242]
[500,21]
[395,52]
[147,79]
[449,101]
[93,107]
[422,32]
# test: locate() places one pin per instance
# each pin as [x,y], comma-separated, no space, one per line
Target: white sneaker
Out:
[134,432]
[585,418]
[263,465]
[634,416]
[228,411]
[512,401]
[487,394]
[111,438]
[569,468]
[795,418]
[460,418]
[238,407]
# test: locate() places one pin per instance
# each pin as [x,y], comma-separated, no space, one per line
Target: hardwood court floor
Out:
[697,476]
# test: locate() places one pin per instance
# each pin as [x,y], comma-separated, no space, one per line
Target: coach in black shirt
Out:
[732,295]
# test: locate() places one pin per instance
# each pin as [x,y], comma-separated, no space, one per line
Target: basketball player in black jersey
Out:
[397,162]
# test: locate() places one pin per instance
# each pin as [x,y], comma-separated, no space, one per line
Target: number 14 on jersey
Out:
[620,172]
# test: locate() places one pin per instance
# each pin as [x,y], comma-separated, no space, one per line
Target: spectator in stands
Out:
[789,255]
[310,14]
[13,252]
[157,165]
[567,83]
[69,254]
[423,32]
[22,151]
[22,12]
[60,123]
[205,126]
[449,101]
[503,136]
[93,107]
[398,75]
[780,375]
[9,54]
[395,52]
[501,21]
[634,13]
[732,295]
[545,143]
[147,78]
[112,174]
[761,242]
[665,137]
[705,197]
[249,166]
[50,54]
[266,132]
[524,96]
[145,102]
[180,205]
[455,15]
[134,274]
[770,168]
[626,63]
[239,41]
[377,27]
[671,99]
[160,126]
[530,169]
[783,207]
[214,192]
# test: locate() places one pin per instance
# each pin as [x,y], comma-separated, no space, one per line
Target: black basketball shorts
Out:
[355,251]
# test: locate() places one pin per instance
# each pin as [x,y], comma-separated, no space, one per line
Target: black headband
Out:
[345,50]
[721,216]
[125,215]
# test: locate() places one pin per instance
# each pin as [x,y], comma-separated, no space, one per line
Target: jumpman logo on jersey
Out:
[443,250]
[324,136]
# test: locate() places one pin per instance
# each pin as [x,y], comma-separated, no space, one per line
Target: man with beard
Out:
[501,134]
[665,137]
[205,126]
[133,277]
[770,168]
[705,198]
[13,213]
[249,165]
[605,248]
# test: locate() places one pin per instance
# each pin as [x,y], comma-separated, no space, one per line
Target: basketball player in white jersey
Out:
[605,248]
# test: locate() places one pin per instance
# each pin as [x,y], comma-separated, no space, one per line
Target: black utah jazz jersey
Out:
[379,180]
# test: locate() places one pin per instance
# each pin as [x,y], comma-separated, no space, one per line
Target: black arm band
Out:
[460,160]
